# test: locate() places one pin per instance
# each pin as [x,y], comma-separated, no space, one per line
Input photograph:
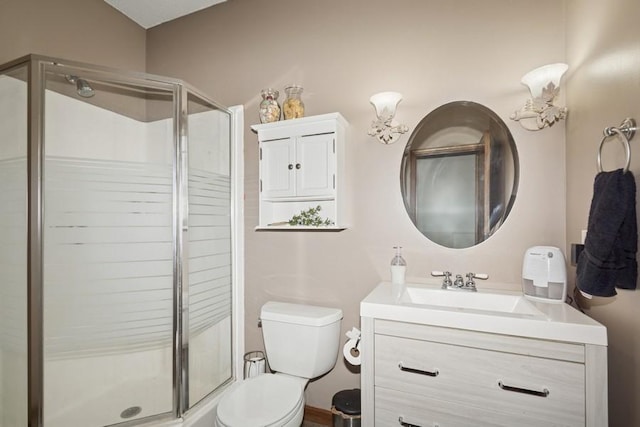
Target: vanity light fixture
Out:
[544,84]
[384,128]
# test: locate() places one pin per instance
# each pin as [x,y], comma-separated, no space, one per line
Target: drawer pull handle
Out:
[434,373]
[403,423]
[543,393]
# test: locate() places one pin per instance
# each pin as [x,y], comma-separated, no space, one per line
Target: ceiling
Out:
[149,13]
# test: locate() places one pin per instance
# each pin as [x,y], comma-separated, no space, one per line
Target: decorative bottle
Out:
[398,267]
[293,107]
[269,108]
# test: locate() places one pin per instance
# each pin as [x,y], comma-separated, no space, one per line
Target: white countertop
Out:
[558,322]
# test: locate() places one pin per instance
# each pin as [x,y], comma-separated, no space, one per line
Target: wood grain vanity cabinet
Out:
[301,167]
[422,375]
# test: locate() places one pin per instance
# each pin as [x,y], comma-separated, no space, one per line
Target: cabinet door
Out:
[315,165]
[277,168]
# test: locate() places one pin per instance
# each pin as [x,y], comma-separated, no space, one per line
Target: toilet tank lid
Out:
[300,314]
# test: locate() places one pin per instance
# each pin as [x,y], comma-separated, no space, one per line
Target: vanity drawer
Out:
[551,391]
[395,407]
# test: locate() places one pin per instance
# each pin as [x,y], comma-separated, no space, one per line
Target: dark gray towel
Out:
[609,256]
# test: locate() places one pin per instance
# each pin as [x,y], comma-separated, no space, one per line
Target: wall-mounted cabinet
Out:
[301,167]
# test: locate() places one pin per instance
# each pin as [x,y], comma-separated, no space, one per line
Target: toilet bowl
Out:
[268,400]
[301,342]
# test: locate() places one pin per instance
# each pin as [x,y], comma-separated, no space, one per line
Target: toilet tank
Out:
[301,340]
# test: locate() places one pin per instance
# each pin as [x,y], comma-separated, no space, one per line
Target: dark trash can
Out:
[345,408]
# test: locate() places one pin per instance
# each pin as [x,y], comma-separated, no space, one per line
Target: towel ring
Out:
[626,131]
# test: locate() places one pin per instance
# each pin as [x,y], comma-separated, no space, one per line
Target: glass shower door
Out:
[13,247]
[209,248]
[108,249]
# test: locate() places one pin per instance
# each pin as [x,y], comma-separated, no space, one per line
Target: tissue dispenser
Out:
[544,274]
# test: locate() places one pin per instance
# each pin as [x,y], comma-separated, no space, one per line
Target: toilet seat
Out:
[265,400]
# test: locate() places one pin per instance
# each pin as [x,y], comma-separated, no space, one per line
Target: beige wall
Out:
[342,53]
[81,30]
[603,48]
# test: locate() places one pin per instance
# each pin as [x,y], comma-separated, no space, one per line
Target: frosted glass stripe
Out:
[108,220]
[117,271]
[81,254]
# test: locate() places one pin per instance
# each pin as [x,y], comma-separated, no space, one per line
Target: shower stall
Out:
[118,248]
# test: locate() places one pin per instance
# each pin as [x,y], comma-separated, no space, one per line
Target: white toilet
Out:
[302,343]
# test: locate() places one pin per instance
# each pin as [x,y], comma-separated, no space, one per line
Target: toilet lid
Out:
[260,401]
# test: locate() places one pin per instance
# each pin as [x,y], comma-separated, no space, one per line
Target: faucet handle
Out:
[446,274]
[481,276]
[470,276]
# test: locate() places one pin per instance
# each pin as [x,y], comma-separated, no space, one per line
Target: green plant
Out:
[310,217]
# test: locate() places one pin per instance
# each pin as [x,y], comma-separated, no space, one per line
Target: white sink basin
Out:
[494,311]
[466,300]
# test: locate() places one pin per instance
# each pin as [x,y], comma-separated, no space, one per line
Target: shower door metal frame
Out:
[181,281]
[35,161]
[37,67]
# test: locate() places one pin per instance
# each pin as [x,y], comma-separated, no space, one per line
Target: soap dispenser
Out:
[398,267]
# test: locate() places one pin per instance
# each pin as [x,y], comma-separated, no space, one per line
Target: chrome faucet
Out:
[459,283]
[446,282]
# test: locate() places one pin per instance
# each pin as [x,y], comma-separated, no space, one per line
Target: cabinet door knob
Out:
[290,167]
[298,166]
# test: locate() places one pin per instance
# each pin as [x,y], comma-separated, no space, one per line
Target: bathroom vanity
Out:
[433,357]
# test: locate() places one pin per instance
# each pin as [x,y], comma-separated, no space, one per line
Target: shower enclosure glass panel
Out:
[209,257]
[108,250]
[13,247]
[116,248]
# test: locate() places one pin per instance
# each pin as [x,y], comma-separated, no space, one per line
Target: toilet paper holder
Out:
[351,349]
[354,334]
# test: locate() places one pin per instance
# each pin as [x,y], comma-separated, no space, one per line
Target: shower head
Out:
[83,87]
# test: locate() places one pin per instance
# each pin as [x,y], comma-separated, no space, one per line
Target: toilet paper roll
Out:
[351,351]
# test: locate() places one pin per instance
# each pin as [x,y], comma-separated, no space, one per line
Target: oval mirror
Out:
[459,174]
